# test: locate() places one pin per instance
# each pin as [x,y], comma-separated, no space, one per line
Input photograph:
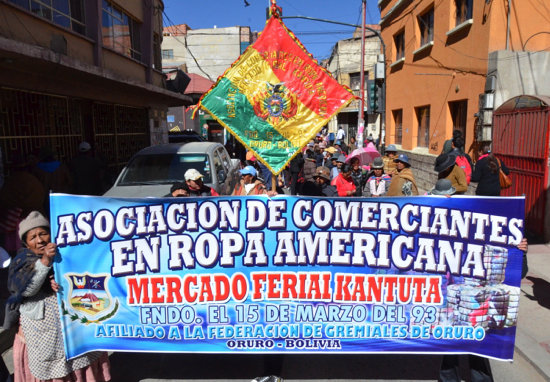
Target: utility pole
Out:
[361,112]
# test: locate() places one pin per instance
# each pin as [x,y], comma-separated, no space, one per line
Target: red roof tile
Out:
[198,84]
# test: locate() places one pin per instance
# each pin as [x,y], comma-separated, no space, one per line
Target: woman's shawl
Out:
[20,274]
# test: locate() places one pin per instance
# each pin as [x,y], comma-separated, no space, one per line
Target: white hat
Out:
[34,220]
[192,174]
[84,146]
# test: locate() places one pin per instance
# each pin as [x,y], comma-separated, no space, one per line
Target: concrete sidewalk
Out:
[533,333]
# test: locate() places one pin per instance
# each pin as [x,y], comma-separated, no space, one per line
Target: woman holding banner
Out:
[38,352]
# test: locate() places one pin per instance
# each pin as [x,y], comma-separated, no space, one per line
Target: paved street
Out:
[531,360]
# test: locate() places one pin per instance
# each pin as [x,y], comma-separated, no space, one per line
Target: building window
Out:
[120,31]
[398,121]
[66,13]
[423,119]
[426,26]
[399,41]
[463,10]
[168,54]
[355,80]
[459,113]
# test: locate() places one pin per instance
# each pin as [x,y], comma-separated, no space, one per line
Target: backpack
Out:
[462,161]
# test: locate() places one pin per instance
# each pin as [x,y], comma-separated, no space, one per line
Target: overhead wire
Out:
[186,47]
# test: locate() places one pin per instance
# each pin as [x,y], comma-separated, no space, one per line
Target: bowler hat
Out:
[444,161]
[443,187]
[391,148]
[377,163]
[403,158]
[322,172]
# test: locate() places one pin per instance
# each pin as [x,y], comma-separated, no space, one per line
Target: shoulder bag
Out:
[505,181]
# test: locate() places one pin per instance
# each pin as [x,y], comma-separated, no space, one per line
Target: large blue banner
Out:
[289,274]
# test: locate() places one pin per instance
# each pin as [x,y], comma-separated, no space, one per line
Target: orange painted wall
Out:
[455,67]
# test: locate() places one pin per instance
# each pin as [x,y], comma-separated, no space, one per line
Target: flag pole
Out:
[361,113]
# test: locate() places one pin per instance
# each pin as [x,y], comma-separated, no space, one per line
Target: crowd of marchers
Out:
[331,165]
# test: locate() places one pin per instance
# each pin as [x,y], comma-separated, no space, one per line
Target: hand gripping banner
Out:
[275,98]
[288,274]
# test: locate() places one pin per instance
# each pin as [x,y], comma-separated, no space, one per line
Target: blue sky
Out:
[318,37]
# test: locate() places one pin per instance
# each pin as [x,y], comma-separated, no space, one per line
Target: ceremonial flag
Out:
[275,97]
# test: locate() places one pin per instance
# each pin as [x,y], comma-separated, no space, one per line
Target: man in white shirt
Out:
[340,134]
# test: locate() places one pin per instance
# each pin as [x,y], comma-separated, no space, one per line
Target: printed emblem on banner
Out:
[89,296]
[275,103]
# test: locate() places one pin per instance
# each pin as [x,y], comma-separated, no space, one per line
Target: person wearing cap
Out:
[338,160]
[250,184]
[322,179]
[38,345]
[263,172]
[389,156]
[402,183]
[378,183]
[196,186]
[87,172]
[446,168]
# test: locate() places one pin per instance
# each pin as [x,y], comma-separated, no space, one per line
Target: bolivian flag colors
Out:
[275,98]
